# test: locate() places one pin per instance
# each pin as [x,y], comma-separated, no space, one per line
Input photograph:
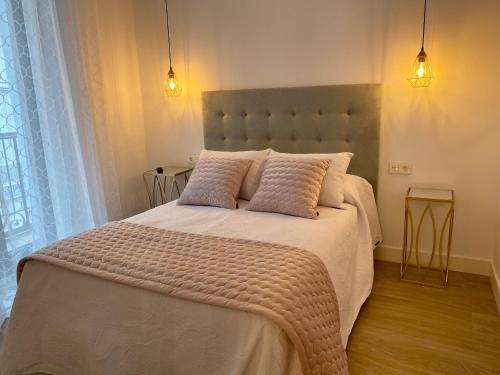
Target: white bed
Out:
[110,328]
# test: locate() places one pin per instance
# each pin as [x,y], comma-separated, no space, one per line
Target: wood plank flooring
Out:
[409,329]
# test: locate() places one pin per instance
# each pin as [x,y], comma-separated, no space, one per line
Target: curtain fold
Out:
[80,38]
[56,160]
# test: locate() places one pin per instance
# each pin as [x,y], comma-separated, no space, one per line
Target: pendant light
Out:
[172,87]
[421,74]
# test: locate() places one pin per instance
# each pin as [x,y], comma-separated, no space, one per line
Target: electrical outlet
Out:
[400,167]
[192,159]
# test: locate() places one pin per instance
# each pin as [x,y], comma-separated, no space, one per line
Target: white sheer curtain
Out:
[56,163]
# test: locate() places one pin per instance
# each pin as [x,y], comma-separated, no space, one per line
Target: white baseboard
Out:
[495,285]
[459,263]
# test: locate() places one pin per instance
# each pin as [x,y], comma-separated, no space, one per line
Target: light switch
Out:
[400,167]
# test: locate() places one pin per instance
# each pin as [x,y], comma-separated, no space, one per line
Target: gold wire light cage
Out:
[421,73]
[172,87]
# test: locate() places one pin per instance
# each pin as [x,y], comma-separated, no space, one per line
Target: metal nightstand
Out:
[156,183]
[417,269]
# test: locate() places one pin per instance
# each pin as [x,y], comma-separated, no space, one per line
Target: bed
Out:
[66,322]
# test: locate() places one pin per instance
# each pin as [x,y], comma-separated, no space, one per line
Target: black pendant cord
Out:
[423,27]
[168,35]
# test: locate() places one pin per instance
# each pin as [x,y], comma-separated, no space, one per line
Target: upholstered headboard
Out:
[298,120]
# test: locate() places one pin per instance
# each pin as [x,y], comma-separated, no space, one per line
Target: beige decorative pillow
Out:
[332,190]
[252,179]
[215,182]
[290,186]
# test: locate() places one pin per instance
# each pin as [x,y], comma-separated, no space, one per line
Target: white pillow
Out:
[252,178]
[332,190]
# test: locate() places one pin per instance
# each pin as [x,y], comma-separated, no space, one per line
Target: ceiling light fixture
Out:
[421,74]
[172,87]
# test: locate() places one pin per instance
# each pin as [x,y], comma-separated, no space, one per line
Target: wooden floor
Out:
[409,329]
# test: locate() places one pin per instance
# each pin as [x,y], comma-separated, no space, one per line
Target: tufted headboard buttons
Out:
[316,119]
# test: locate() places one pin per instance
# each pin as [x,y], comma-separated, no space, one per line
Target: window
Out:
[44,191]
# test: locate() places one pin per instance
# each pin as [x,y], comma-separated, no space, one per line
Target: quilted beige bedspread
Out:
[288,285]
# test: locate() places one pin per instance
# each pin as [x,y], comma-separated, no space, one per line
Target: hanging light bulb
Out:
[421,74]
[172,87]
[421,70]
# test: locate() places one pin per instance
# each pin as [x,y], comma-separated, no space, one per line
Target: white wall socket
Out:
[192,159]
[400,167]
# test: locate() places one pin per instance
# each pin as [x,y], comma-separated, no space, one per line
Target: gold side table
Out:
[156,183]
[418,266]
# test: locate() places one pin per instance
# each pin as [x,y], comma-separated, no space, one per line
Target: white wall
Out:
[450,131]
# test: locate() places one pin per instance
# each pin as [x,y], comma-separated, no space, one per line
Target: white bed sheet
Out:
[343,238]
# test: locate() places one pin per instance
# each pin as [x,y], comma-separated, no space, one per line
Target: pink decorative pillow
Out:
[252,179]
[215,182]
[290,186]
[332,190]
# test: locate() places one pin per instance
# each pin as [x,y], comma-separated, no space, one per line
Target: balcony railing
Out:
[15,215]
